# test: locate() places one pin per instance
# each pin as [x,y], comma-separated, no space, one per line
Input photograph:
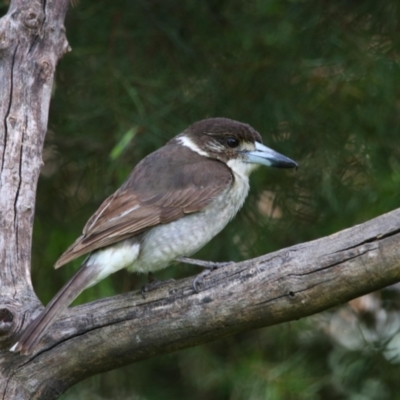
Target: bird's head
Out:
[234,143]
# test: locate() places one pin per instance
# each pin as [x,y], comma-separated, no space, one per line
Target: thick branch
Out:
[32,39]
[278,287]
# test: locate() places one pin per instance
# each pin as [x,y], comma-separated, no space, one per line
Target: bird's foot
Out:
[208,265]
[153,284]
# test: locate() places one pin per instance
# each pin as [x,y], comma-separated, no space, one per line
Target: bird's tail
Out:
[68,293]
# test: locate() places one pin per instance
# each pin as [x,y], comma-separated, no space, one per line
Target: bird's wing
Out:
[125,214]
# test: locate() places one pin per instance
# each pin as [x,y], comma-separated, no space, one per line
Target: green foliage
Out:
[319,81]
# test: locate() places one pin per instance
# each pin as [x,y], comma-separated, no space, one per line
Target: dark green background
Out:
[318,79]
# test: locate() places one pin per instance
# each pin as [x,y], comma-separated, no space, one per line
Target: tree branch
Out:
[32,39]
[285,285]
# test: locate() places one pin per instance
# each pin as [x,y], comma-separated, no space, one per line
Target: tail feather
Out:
[68,293]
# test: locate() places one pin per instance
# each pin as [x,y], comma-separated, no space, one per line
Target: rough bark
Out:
[278,287]
[32,39]
[282,286]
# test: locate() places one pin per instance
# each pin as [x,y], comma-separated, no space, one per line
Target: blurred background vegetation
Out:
[320,81]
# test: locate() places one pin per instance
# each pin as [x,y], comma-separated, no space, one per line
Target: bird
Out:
[174,201]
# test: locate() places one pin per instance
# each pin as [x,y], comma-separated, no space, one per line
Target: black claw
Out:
[198,278]
[194,284]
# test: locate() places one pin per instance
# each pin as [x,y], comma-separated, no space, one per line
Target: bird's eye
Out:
[232,142]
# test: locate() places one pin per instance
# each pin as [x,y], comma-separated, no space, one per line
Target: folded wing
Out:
[124,215]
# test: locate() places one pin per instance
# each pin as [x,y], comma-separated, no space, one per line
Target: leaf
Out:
[123,143]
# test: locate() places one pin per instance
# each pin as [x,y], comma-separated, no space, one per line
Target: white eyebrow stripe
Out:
[187,142]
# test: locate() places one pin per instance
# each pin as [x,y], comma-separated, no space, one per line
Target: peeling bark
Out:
[289,284]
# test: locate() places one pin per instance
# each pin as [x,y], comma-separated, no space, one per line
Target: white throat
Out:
[241,169]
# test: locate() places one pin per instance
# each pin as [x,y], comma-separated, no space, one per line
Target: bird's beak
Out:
[266,156]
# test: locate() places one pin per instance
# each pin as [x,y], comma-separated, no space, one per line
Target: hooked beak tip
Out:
[271,158]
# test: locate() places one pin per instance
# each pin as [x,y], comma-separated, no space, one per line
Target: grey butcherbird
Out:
[174,202]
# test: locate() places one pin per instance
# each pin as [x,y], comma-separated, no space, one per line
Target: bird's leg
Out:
[211,265]
[154,283]
[207,265]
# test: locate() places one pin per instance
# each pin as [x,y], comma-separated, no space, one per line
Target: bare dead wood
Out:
[32,39]
[278,287]
[286,285]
